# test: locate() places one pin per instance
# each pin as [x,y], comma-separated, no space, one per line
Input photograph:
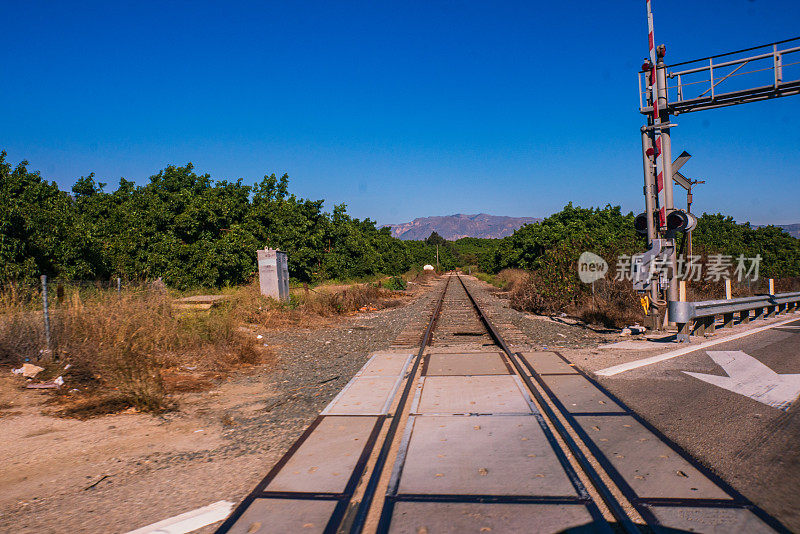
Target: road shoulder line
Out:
[621,368]
[189,521]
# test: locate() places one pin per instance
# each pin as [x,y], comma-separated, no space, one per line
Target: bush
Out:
[308,305]
[614,304]
[395,283]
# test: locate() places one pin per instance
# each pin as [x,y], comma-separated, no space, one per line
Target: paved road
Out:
[746,428]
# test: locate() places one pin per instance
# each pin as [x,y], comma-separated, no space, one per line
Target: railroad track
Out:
[464,434]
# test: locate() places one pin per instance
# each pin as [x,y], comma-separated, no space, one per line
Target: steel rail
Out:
[380,463]
[602,488]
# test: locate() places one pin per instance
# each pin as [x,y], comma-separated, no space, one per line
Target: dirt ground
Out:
[119,472]
[116,473]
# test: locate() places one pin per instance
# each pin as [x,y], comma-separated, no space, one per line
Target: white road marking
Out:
[621,368]
[748,376]
[189,521]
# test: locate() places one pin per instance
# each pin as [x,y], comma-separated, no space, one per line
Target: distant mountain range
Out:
[791,229]
[452,227]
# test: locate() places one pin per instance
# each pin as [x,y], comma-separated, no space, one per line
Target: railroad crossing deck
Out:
[467,435]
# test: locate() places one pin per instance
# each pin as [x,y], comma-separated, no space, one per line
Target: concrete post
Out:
[273,274]
[46,314]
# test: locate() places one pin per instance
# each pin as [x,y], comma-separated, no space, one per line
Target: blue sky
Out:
[400,110]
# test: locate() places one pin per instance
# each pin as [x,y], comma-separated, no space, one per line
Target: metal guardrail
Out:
[698,318]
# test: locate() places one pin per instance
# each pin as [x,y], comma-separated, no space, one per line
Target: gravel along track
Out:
[539,332]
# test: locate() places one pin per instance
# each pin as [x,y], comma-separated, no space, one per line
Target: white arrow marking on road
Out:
[748,376]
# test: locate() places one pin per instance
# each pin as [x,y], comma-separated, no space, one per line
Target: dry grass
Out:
[21,330]
[512,278]
[308,307]
[120,347]
[420,277]
[614,304]
[134,349]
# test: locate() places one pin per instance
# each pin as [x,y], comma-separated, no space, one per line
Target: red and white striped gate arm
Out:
[662,203]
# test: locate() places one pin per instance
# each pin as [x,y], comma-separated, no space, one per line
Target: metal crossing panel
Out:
[472,395]
[473,363]
[578,395]
[456,518]
[548,363]
[648,465]
[325,461]
[284,515]
[481,455]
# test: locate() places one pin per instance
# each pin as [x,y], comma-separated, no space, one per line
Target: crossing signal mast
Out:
[707,83]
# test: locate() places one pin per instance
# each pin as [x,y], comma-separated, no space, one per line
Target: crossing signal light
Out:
[680,221]
[640,223]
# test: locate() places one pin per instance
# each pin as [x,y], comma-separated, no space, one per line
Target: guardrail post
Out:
[684,331]
[711,324]
[727,320]
[744,317]
[700,327]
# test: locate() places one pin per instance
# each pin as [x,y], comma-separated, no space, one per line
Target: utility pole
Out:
[437,257]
